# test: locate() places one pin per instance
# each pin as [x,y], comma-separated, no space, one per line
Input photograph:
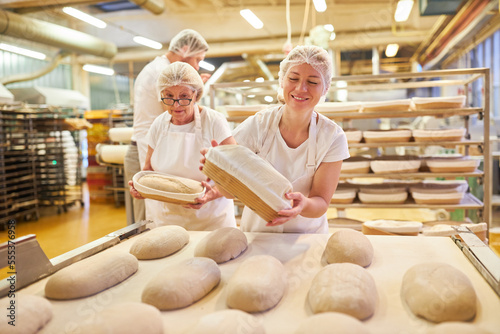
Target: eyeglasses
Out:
[170,102]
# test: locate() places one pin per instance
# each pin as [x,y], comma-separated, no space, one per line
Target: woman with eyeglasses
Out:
[174,143]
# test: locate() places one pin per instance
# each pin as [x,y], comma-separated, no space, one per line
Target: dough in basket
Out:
[171,184]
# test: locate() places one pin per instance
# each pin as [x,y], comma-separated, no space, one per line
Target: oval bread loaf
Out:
[160,242]
[228,322]
[343,287]
[171,184]
[91,275]
[222,245]
[182,284]
[257,285]
[124,318]
[348,245]
[439,292]
[32,313]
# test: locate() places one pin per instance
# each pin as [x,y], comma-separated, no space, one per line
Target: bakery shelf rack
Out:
[463,80]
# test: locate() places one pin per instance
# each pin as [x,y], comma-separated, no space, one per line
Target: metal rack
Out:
[464,78]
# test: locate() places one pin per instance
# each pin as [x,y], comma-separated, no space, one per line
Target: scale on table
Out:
[480,255]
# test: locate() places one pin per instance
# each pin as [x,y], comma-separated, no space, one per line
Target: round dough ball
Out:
[439,292]
[323,323]
[125,318]
[160,242]
[348,245]
[222,245]
[258,284]
[228,322]
[457,328]
[345,288]
[31,313]
[182,284]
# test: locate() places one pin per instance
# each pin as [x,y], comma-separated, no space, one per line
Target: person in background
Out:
[175,140]
[303,145]
[187,46]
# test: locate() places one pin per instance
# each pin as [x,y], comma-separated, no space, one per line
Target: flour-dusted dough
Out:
[160,242]
[222,245]
[348,245]
[30,313]
[171,184]
[331,322]
[457,328]
[257,285]
[91,275]
[439,292]
[228,322]
[124,318]
[182,284]
[343,287]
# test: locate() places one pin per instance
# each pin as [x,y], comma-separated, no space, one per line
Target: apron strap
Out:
[271,131]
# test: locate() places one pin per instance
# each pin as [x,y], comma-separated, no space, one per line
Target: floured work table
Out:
[301,257]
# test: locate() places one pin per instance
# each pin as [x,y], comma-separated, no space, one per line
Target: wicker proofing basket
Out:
[236,188]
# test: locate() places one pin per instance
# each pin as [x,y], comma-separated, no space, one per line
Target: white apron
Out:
[178,153]
[301,182]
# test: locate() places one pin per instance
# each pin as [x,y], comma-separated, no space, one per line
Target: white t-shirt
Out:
[213,126]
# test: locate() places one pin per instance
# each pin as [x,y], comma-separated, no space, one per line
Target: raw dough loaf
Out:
[171,184]
[439,292]
[125,318]
[160,242]
[345,288]
[31,314]
[182,284]
[349,246]
[228,322]
[222,245]
[91,275]
[324,323]
[457,328]
[257,285]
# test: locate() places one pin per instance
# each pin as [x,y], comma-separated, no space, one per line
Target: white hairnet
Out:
[194,41]
[313,55]
[180,74]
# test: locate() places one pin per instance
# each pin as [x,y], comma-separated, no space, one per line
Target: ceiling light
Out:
[403,10]
[98,69]
[329,27]
[260,79]
[332,36]
[251,18]
[268,99]
[84,17]
[320,5]
[147,42]
[22,51]
[207,66]
[391,50]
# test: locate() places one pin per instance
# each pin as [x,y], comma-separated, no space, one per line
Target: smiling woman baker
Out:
[174,143]
[304,146]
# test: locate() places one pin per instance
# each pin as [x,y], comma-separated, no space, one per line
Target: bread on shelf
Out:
[389,105]
[384,136]
[444,102]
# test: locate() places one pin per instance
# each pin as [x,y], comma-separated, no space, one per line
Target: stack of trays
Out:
[188,191]
[439,192]
[430,103]
[395,164]
[249,178]
[452,164]
[356,164]
[391,227]
[344,195]
[438,135]
[383,136]
[390,105]
[383,193]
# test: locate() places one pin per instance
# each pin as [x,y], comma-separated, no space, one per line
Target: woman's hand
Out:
[135,194]
[299,201]
[204,152]
[211,193]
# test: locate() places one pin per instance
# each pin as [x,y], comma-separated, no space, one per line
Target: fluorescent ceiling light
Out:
[84,17]
[320,5]
[403,10]
[260,79]
[147,42]
[22,51]
[98,69]
[391,50]
[329,27]
[251,18]
[332,36]
[207,66]
[268,98]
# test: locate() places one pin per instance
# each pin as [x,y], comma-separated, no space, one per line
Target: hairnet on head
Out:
[192,39]
[180,74]
[313,55]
